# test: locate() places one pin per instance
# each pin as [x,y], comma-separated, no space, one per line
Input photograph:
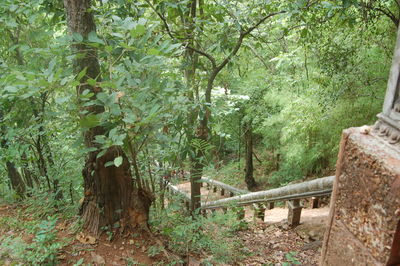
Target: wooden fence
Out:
[261,200]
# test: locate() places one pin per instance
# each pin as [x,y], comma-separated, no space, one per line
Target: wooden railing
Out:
[313,189]
[215,185]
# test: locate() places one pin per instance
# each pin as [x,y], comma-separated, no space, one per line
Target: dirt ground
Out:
[82,248]
[268,243]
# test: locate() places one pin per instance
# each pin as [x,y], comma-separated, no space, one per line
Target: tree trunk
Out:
[248,136]
[14,176]
[110,193]
[191,58]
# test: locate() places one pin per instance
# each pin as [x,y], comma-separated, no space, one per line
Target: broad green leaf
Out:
[81,74]
[118,161]
[77,37]
[91,82]
[138,31]
[153,51]
[110,163]
[89,121]
[92,37]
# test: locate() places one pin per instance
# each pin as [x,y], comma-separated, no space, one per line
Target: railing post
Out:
[314,203]
[294,212]
[260,211]
[222,192]
[208,186]
[271,205]
[231,194]
[215,188]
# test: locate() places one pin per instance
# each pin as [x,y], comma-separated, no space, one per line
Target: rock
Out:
[315,245]
[86,239]
[97,259]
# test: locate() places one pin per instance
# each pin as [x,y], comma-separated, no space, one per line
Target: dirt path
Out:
[272,242]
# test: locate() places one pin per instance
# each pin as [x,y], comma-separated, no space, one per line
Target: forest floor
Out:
[268,243]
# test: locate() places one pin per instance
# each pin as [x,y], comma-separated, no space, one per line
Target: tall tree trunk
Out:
[191,59]
[17,183]
[110,193]
[15,178]
[248,137]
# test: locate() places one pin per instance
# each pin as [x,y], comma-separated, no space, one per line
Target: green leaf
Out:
[89,121]
[77,37]
[61,100]
[153,51]
[110,163]
[100,154]
[138,31]
[81,74]
[91,82]
[118,161]
[92,37]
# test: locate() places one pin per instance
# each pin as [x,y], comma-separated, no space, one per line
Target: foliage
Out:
[203,234]
[44,247]
[306,71]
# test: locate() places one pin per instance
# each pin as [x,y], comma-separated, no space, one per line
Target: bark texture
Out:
[110,193]
[17,183]
[248,137]
[15,178]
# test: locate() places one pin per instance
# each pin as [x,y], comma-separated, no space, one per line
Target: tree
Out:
[111,195]
[212,34]
[248,139]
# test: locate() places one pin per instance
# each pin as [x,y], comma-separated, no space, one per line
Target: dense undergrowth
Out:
[30,232]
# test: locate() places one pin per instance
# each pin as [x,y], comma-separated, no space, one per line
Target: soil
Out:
[132,249]
[271,242]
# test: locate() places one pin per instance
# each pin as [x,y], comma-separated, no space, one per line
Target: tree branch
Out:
[208,56]
[163,19]
[389,14]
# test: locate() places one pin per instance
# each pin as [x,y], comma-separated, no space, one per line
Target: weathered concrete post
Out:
[271,205]
[260,211]
[365,205]
[314,203]
[294,213]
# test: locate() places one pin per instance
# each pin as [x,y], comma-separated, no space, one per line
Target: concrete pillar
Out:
[260,212]
[271,205]
[294,213]
[365,202]
[314,204]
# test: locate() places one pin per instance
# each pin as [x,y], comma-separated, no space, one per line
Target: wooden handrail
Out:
[176,190]
[316,187]
[292,193]
[227,187]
